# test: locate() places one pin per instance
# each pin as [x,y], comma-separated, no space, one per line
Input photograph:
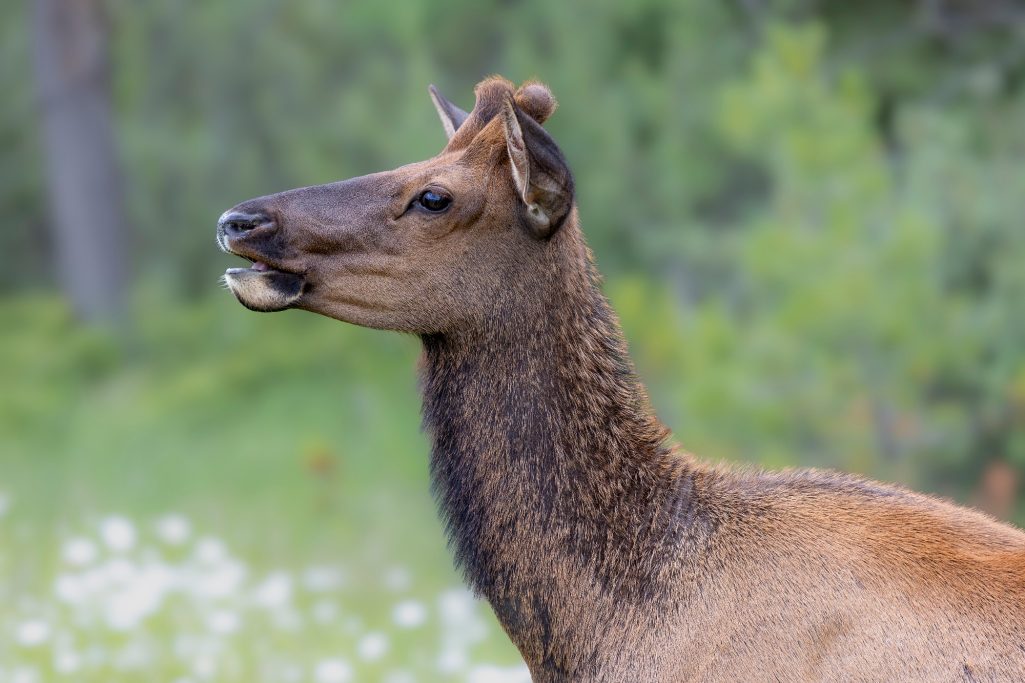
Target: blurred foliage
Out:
[870,317]
[809,214]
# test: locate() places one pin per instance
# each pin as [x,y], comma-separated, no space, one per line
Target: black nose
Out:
[237,223]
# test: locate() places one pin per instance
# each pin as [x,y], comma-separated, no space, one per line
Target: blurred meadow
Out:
[809,214]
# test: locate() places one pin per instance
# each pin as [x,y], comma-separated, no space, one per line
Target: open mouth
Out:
[273,276]
[260,270]
[257,266]
[261,287]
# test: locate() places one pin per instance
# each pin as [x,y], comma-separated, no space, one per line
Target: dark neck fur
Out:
[544,445]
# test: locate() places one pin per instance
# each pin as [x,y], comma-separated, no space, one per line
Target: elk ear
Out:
[451,116]
[540,173]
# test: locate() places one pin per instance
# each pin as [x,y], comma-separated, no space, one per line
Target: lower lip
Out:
[257,267]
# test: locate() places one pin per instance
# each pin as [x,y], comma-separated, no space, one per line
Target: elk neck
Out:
[545,450]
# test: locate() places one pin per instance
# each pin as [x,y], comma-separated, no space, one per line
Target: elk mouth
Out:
[263,288]
[256,266]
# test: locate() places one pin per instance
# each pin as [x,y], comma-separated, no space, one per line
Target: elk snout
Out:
[239,223]
[268,284]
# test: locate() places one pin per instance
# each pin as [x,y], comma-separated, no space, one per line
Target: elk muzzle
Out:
[263,286]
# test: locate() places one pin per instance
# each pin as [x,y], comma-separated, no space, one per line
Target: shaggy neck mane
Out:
[546,457]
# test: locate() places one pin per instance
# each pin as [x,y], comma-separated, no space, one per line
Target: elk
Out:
[606,553]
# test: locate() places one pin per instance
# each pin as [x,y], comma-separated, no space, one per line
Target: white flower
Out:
[204,667]
[24,674]
[173,529]
[118,533]
[456,605]
[372,646]
[275,591]
[94,581]
[32,632]
[322,579]
[70,588]
[138,592]
[119,571]
[211,550]
[409,613]
[123,613]
[223,621]
[79,551]
[66,662]
[156,579]
[452,660]
[221,581]
[458,612]
[332,671]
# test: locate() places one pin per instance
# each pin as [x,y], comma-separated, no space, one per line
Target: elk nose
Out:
[238,223]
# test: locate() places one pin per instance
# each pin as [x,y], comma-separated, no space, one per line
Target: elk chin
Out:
[264,291]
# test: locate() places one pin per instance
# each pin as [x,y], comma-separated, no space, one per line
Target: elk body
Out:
[606,554]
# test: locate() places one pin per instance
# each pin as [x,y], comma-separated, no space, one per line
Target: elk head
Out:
[425,248]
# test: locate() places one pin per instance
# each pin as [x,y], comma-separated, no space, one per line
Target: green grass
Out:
[283,443]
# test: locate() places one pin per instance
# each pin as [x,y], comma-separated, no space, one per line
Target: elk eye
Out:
[434,201]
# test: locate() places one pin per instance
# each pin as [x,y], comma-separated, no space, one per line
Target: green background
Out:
[810,218]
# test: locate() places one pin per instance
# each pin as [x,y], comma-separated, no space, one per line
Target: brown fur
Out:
[607,554]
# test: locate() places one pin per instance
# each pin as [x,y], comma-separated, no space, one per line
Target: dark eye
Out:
[433,201]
